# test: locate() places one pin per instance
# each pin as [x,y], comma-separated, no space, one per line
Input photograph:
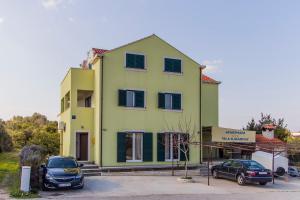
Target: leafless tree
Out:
[184,135]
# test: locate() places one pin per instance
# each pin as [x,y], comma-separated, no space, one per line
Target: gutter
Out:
[200,114]
[101,112]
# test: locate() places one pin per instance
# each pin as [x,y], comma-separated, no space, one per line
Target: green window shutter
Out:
[140,61]
[176,101]
[139,99]
[160,147]
[168,65]
[147,147]
[130,60]
[161,100]
[121,147]
[62,105]
[177,65]
[122,97]
[182,156]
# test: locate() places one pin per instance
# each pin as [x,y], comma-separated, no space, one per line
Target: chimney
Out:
[268,131]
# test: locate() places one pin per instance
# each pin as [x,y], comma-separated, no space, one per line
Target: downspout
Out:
[200,115]
[101,113]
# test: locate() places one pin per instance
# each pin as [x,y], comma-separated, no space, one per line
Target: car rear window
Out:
[62,163]
[251,164]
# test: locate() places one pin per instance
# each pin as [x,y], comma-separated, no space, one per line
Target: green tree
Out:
[251,126]
[282,134]
[49,141]
[281,130]
[35,129]
[5,139]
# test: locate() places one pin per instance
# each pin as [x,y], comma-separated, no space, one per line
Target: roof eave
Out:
[214,83]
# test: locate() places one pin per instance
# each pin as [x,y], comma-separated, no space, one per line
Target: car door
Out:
[234,169]
[224,169]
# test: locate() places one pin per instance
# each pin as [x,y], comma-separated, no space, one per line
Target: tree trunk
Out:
[186,166]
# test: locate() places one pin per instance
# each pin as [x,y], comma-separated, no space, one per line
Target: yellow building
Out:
[122,106]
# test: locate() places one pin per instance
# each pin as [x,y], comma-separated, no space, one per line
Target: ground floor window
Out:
[134,146]
[172,150]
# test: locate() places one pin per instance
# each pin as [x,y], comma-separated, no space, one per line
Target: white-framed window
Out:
[130,96]
[172,151]
[168,101]
[134,147]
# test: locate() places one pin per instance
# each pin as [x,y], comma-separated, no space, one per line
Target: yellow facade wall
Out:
[151,119]
[77,79]
[152,80]
[210,104]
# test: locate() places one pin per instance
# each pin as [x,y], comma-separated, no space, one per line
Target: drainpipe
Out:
[101,113]
[200,115]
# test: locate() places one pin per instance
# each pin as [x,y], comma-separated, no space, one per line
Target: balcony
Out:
[84,98]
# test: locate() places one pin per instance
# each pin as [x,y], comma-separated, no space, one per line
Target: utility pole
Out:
[273,179]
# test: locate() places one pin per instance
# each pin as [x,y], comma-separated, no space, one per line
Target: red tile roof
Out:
[261,139]
[99,51]
[266,144]
[269,126]
[206,79]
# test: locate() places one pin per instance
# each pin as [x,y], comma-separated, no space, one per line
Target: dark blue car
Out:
[243,171]
[61,172]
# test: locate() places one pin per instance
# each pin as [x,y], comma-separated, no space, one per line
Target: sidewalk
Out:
[3,194]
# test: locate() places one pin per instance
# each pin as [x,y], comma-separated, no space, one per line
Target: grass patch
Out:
[10,175]
[9,161]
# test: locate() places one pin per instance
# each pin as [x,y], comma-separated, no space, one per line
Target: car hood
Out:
[63,171]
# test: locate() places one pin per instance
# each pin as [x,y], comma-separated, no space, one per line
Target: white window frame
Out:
[171,148]
[133,100]
[171,103]
[140,90]
[181,99]
[174,73]
[133,146]
[135,69]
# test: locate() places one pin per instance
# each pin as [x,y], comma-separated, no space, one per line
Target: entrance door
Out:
[82,146]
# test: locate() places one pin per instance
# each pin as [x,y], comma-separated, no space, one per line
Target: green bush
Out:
[33,156]
[49,141]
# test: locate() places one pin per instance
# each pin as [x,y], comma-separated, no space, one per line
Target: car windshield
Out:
[251,164]
[61,163]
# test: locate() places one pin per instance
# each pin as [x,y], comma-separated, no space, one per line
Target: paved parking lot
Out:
[167,187]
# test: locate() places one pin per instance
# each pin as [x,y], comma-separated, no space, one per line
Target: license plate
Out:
[263,173]
[64,185]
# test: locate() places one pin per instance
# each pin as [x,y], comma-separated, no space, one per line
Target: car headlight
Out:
[49,177]
[78,176]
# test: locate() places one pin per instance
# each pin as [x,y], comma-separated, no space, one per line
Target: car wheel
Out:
[43,187]
[280,171]
[80,187]
[240,180]
[215,174]
[262,183]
